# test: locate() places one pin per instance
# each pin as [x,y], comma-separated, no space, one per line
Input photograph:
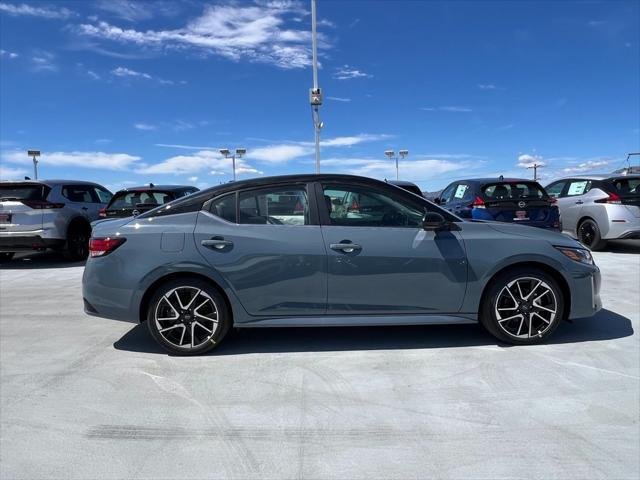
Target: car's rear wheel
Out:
[522,306]
[589,235]
[188,316]
[78,242]
[6,256]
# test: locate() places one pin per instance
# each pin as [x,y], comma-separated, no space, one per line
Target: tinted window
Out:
[367,207]
[627,186]
[79,193]
[135,199]
[555,189]
[23,192]
[578,187]
[103,195]
[512,191]
[447,193]
[275,206]
[225,207]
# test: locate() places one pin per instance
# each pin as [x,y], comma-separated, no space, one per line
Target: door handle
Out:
[345,247]
[217,242]
[84,208]
[579,202]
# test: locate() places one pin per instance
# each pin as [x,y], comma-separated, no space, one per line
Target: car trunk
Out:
[628,190]
[516,202]
[21,206]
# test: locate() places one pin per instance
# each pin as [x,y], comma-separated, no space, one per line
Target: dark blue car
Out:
[513,200]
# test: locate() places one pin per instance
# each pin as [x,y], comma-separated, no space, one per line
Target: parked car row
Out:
[590,208]
[57,214]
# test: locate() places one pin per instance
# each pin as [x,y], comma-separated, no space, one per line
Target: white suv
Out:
[36,215]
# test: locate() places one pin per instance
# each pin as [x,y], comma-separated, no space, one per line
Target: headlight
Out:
[577,254]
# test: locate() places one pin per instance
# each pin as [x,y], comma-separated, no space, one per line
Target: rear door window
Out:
[225,207]
[512,191]
[555,189]
[578,187]
[274,206]
[461,191]
[79,193]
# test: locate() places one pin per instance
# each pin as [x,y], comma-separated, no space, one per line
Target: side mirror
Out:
[433,221]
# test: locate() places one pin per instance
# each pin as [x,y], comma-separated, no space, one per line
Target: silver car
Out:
[329,250]
[597,208]
[36,215]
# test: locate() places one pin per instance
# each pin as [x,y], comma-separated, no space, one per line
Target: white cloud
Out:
[10,173]
[487,86]
[40,11]
[255,33]
[204,160]
[93,75]
[525,160]
[193,179]
[102,160]
[339,99]
[279,153]
[184,147]
[181,125]
[353,140]
[144,126]
[126,72]
[415,170]
[43,61]
[587,166]
[346,72]
[134,11]
[455,109]
[8,54]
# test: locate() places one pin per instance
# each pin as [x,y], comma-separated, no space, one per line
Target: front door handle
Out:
[579,202]
[345,247]
[84,208]
[216,242]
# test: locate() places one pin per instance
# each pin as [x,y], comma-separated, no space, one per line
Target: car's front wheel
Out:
[188,316]
[522,306]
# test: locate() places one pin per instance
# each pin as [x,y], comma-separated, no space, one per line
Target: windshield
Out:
[138,199]
[513,191]
[626,185]
[18,191]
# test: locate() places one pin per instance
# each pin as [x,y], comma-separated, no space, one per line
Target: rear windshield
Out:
[137,199]
[513,191]
[626,185]
[18,191]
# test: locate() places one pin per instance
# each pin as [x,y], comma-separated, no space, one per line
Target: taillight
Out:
[99,247]
[42,204]
[612,198]
[478,203]
[553,200]
[102,213]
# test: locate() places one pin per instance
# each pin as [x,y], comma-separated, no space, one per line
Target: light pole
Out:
[535,167]
[237,154]
[34,154]
[315,94]
[392,156]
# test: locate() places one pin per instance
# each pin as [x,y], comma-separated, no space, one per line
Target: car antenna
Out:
[151,185]
[501,177]
[27,178]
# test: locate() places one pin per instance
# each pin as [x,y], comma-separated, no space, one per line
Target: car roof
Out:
[51,183]
[598,176]
[495,180]
[402,183]
[157,188]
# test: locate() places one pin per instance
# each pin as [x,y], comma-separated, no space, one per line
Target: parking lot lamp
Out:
[34,154]
[237,154]
[392,156]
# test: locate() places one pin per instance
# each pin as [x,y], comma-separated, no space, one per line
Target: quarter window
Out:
[225,207]
[364,207]
[274,206]
[103,195]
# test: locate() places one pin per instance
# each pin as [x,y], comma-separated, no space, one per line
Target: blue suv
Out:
[513,200]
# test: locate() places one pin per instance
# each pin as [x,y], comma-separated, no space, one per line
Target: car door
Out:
[380,260]
[571,202]
[266,243]
[460,200]
[80,200]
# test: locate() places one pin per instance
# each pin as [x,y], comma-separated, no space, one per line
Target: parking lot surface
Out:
[84,397]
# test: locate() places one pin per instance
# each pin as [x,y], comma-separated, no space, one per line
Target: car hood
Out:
[554,238]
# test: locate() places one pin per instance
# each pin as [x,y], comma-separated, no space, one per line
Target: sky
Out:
[126,93]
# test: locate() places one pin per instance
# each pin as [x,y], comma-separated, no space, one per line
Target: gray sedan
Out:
[329,250]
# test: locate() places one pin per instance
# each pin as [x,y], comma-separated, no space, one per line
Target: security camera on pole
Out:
[238,154]
[315,93]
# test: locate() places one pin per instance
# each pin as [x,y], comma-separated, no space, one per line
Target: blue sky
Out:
[125,92]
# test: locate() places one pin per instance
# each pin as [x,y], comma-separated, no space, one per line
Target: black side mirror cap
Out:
[433,221]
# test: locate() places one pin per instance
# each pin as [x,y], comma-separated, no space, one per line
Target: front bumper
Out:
[27,243]
[584,286]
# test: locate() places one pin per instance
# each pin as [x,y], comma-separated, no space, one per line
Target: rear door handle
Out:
[345,247]
[579,202]
[84,208]
[217,242]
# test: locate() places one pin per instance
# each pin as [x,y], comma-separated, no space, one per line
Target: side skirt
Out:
[360,320]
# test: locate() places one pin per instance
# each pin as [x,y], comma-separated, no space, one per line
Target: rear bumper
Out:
[25,243]
[630,235]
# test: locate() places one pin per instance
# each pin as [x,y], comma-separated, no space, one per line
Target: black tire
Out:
[77,248]
[6,257]
[507,331]
[177,339]
[589,235]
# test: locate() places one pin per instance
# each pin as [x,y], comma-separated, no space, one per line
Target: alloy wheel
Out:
[526,307]
[587,233]
[186,317]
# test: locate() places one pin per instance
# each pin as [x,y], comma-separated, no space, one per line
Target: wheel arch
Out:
[146,297]
[552,272]
[78,221]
